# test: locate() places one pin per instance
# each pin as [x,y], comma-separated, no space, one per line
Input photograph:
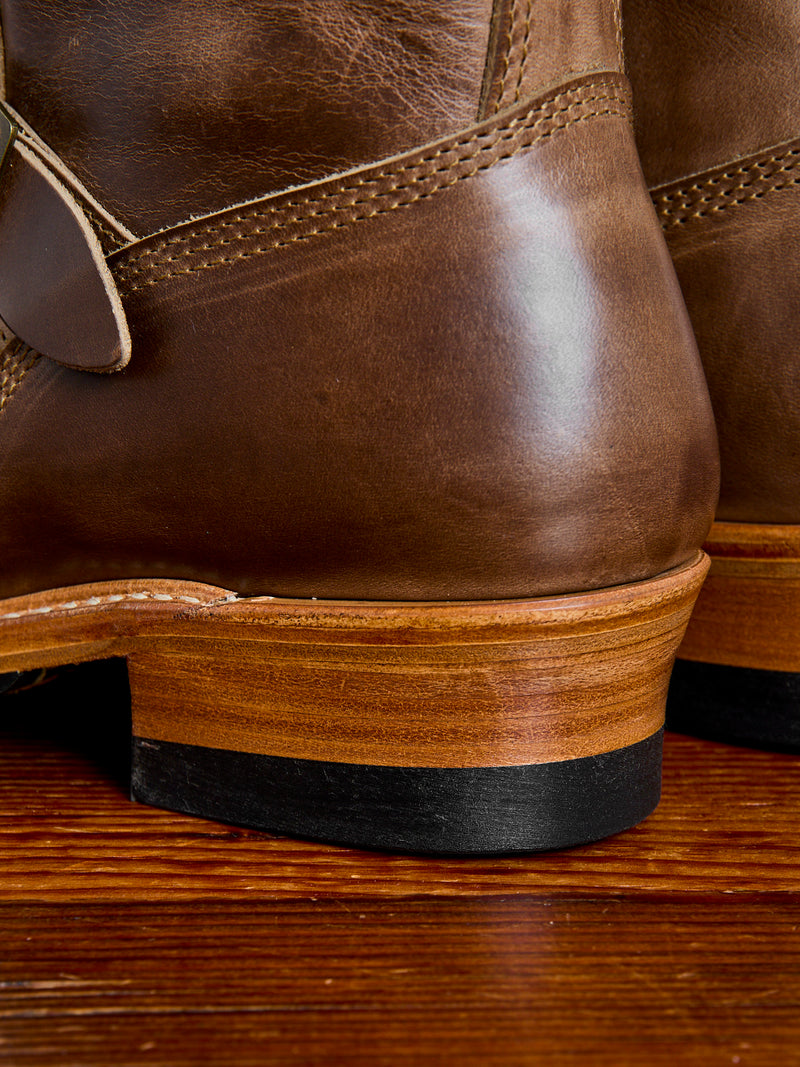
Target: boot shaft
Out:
[717,88]
[168,110]
[717,91]
[712,81]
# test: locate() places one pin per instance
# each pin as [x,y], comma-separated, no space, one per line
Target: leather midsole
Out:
[496,683]
[748,612]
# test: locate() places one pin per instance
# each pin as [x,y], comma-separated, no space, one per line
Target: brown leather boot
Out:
[717,100]
[393,478]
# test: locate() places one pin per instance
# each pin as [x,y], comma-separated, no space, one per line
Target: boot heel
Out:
[737,678]
[449,728]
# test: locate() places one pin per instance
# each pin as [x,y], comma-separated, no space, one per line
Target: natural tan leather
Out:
[712,81]
[459,685]
[748,614]
[168,110]
[56,291]
[462,373]
[734,235]
[718,87]
[534,44]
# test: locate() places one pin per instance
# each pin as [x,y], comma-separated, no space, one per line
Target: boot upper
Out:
[451,364]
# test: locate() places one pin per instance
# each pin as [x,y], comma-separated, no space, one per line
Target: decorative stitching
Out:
[17,361]
[780,162]
[96,601]
[619,106]
[711,196]
[348,222]
[379,176]
[524,57]
[512,21]
[499,134]
[10,360]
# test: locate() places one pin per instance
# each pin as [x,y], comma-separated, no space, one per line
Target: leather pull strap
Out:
[56,291]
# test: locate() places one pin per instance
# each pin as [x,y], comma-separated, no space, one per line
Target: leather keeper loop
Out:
[56,291]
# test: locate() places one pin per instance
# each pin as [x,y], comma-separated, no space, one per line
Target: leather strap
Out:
[56,291]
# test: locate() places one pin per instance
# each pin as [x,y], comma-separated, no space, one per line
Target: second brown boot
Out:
[717,91]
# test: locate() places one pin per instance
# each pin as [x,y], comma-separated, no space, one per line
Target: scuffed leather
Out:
[712,81]
[717,103]
[56,291]
[465,373]
[167,110]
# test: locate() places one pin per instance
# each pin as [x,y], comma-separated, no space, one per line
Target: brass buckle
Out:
[8,131]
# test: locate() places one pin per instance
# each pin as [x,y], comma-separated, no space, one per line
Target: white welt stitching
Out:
[94,601]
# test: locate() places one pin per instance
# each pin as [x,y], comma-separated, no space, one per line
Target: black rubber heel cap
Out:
[739,705]
[455,811]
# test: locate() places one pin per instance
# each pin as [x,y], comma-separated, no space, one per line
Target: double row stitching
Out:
[498,134]
[512,21]
[705,198]
[524,55]
[620,112]
[17,362]
[128,269]
[256,212]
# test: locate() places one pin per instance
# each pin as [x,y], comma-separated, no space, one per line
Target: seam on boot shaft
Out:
[715,190]
[519,131]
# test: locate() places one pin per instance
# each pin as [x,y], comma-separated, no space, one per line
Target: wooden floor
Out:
[135,936]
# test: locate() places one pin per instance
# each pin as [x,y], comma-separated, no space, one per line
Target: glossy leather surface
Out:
[717,89]
[465,373]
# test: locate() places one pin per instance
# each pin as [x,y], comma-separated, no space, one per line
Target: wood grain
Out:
[434,981]
[136,937]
